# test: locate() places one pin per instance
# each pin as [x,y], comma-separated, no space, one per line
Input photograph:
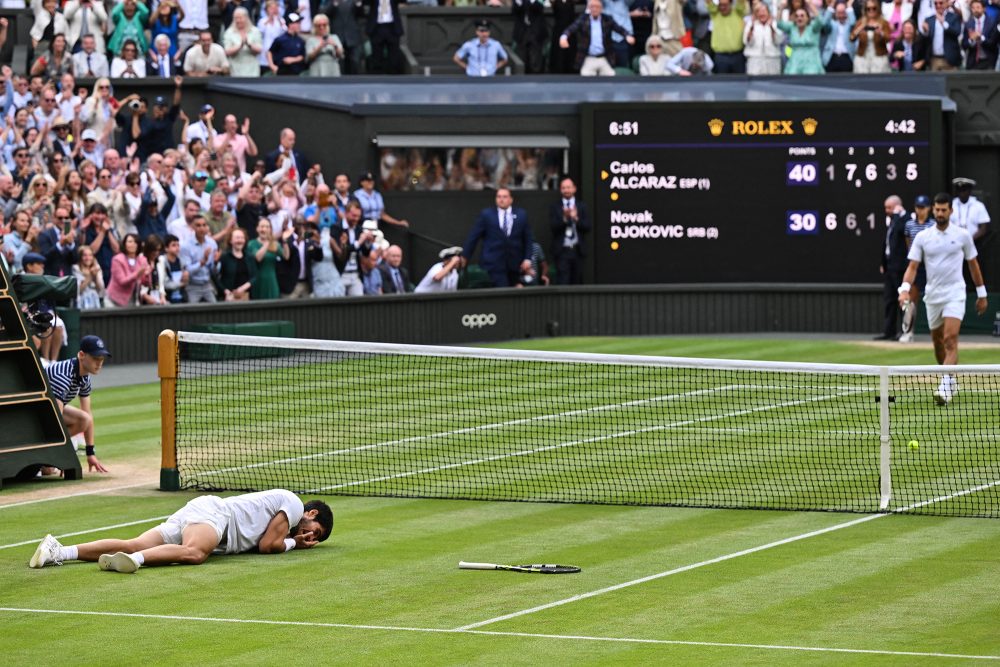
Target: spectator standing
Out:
[569,221]
[654,62]
[266,251]
[967,211]
[236,140]
[200,256]
[271,26]
[897,12]
[343,15]
[943,30]
[443,276]
[170,270]
[762,42]
[250,206]
[193,21]
[154,133]
[98,232]
[238,270]
[641,12]
[385,29]
[166,22]
[323,50]
[727,36]
[98,114]
[243,44]
[19,241]
[152,293]
[372,204]
[803,36]
[481,55]
[618,10]
[129,18]
[287,55]
[506,239]
[839,47]
[89,61]
[668,23]
[595,55]
[58,244]
[909,52]
[561,60]
[129,270]
[530,33]
[49,22]
[221,223]
[326,278]
[55,62]
[89,280]
[85,17]
[161,64]
[395,277]
[872,34]
[980,38]
[893,265]
[128,65]
[295,274]
[206,58]
[350,239]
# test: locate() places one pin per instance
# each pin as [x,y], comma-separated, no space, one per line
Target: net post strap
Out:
[167,366]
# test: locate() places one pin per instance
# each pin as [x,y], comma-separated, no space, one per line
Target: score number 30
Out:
[807,222]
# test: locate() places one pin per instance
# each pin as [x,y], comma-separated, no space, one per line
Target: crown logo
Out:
[809,125]
[715,126]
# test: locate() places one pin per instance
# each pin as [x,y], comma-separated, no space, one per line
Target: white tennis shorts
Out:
[204,509]
[936,312]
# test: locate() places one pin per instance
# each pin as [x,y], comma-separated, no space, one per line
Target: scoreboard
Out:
[787,192]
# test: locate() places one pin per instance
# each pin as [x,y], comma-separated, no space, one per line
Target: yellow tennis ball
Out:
[913,444]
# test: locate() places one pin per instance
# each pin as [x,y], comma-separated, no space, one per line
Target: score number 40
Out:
[807,222]
[807,173]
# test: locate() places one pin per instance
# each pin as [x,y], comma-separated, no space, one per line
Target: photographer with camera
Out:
[154,133]
[295,274]
[70,379]
[48,331]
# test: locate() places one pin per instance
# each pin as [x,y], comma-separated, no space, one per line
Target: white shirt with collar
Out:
[969,215]
[942,254]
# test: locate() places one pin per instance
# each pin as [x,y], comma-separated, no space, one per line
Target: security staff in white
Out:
[967,211]
[941,249]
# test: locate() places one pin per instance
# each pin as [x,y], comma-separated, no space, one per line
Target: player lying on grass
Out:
[269,521]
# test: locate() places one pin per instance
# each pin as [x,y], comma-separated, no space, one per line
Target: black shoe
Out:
[884,337]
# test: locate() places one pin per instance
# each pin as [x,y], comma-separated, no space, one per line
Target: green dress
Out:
[805,58]
[266,284]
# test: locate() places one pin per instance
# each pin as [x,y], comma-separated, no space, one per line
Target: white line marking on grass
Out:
[75,495]
[573,443]
[90,530]
[474,429]
[719,559]
[488,633]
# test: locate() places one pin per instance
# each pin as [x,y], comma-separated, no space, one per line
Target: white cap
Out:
[88,134]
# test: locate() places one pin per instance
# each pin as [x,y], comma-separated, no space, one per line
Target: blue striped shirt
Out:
[65,381]
[913,227]
[481,59]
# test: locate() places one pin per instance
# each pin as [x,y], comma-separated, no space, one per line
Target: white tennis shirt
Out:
[942,254]
[250,514]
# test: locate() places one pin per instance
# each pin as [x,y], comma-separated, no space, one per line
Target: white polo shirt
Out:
[942,254]
[969,215]
[250,514]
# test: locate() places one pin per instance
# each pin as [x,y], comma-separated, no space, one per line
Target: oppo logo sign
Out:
[479,320]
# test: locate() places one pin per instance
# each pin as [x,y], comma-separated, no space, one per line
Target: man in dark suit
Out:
[286,147]
[598,58]
[569,221]
[159,63]
[384,28]
[944,50]
[344,24]
[894,261]
[530,33]
[506,238]
[58,245]
[395,277]
[979,38]
[295,274]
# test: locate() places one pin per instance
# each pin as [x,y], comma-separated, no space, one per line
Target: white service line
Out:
[76,495]
[89,530]
[719,559]
[488,633]
[474,429]
[573,443]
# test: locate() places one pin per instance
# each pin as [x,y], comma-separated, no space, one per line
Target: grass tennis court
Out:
[659,585]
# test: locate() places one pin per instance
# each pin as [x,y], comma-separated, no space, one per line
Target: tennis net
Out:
[251,413]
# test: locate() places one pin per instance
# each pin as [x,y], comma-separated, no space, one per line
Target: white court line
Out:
[719,559]
[74,495]
[474,429]
[488,633]
[573,443]
[89,530]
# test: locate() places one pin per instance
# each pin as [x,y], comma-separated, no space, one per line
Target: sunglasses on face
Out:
[63,218]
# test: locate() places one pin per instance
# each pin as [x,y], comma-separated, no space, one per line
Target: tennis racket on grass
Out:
[537,569]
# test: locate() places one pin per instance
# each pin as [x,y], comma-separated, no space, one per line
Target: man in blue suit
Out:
[943,30]
[979,38]
[506,237]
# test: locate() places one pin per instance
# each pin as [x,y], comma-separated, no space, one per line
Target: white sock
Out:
[68,553]
[138,558]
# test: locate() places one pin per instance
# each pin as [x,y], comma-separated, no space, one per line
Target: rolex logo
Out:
[809,125]
[715,126]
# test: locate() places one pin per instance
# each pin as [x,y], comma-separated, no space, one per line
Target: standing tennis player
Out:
[269,522]
[941,249]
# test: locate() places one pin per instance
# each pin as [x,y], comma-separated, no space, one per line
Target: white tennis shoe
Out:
[48,552]
[946,390]
[119,562]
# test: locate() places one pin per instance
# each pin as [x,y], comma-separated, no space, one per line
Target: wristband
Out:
[981,291]
[289,544]
[90,450]
[904,287]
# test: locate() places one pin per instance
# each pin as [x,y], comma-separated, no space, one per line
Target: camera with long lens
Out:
[134,105]
[38,295]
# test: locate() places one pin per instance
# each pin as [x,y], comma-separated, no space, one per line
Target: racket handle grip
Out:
[462,565]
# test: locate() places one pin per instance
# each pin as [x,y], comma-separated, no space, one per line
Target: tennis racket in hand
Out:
[537,569]
[908,313]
